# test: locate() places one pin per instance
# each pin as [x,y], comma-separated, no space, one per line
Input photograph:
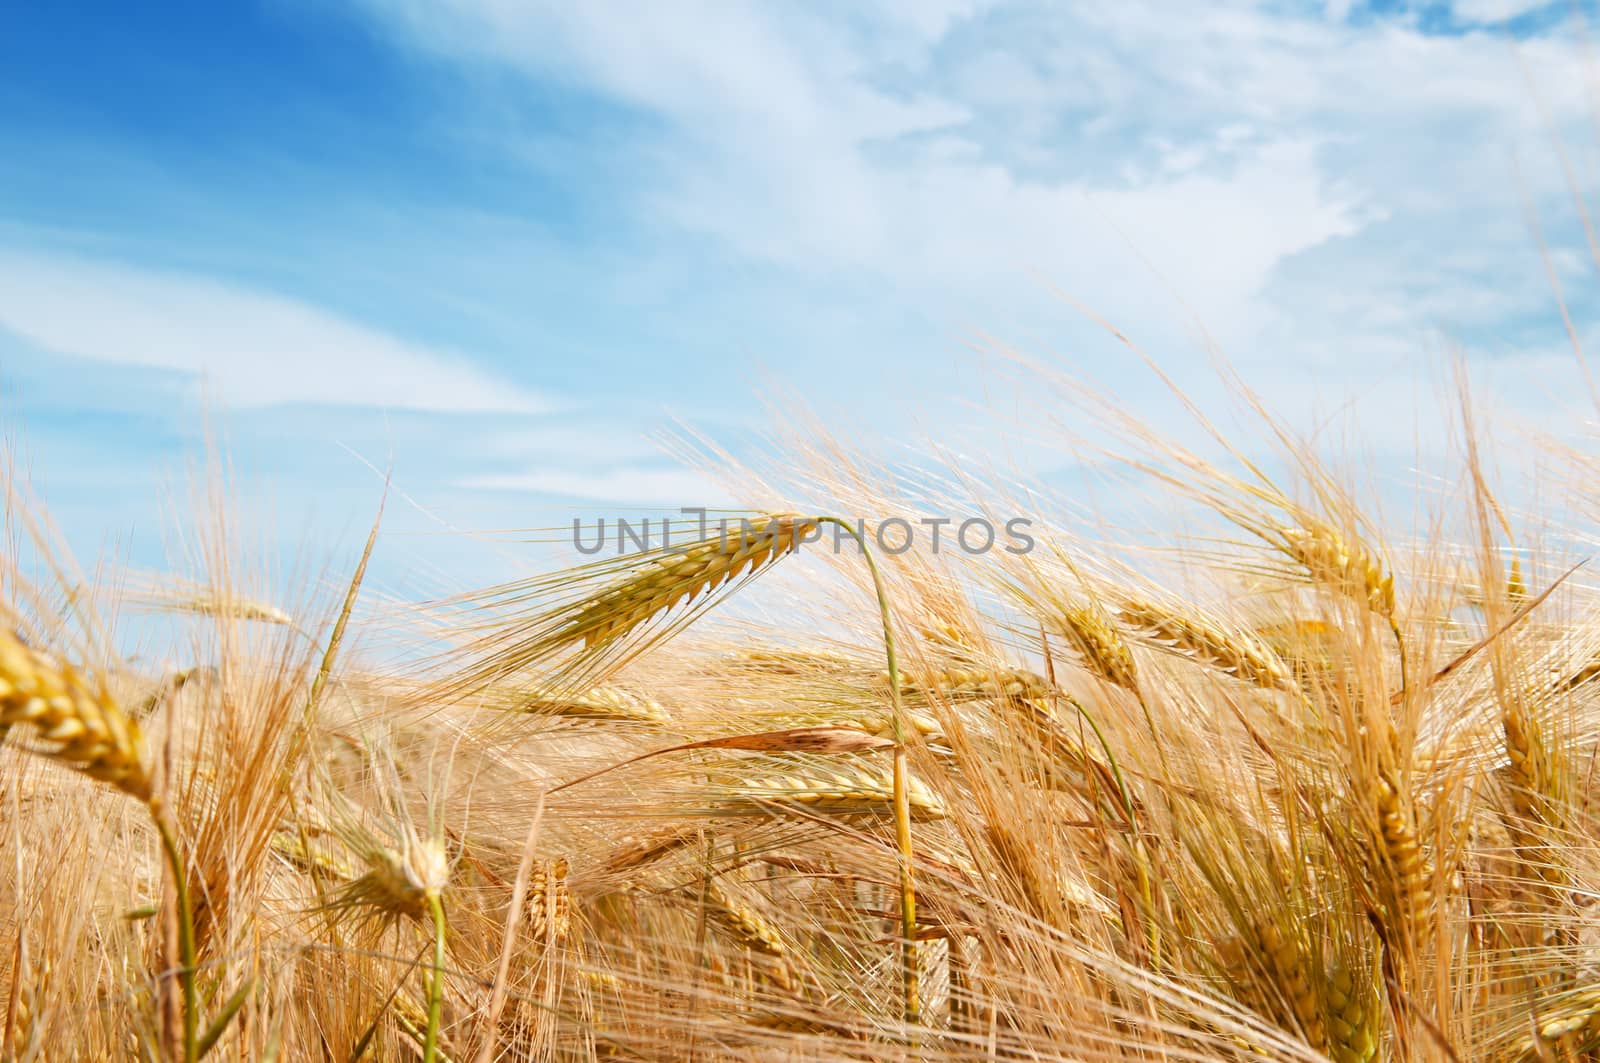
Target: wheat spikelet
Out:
[1516,586]
[172,595]
[1231,653]
[1534,792]
[789,662]
[311,860]
[596,703]
[596,623]
[880,724]
[1406,897]
[31,991]
[1352,1016]
[397,882]
[1578,1014]
[962,684]
[1101,648]
[839,788]
[219,605]
[750,929]
[1311,648]
[1045,886]
[75,723]
[635,853]
[682,574]
[1345,566]
[920,723]
[549,903]
[1286,963]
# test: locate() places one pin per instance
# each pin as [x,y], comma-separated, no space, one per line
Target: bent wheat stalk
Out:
[902,799]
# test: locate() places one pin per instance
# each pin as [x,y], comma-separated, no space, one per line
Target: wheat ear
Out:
[549,904]
[1100,647]
[596,624]
[840,789]
[83,726]
[972,684]
[1286,960]
[1352,1016]
[751,929]
[1344,565]
[1231,653]
[1403,902]
[682,575]
[75,722]
[1535,787]
[1576,1015]
[596,703]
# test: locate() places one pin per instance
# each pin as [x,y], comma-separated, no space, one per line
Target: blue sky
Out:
[499,243]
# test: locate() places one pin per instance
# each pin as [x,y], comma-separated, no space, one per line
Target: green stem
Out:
[1400,644]
[186,951]
[902,799]
[430,1040]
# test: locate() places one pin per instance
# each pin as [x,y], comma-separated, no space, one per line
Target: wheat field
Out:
[1291,781]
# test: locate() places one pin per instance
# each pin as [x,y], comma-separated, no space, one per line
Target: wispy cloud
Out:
[1113,149]
[250,348]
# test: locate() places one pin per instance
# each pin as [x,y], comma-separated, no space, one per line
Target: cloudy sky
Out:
[498,242]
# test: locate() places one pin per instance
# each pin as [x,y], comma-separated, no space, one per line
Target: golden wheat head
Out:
[74,722]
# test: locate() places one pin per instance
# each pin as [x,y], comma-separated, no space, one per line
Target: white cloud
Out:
[1488,11]
[251,348]
[1313,191]
[1051,137]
